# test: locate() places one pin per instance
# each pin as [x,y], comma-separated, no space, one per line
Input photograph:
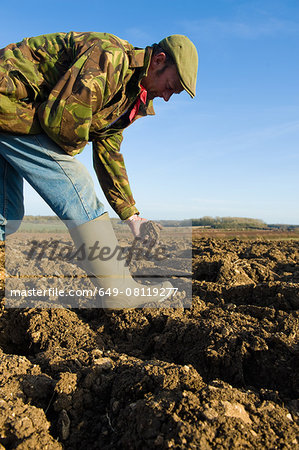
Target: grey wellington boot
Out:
[111,275]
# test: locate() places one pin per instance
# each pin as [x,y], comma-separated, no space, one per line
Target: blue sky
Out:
[231,151]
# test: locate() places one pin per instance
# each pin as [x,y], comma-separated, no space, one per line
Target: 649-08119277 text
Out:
[138,292]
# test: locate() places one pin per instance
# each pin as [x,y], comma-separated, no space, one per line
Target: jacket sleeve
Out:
[92,80]
[112,175]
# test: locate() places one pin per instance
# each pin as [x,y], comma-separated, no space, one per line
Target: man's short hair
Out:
[169,61]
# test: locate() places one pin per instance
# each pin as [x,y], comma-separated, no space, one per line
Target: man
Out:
[60,91]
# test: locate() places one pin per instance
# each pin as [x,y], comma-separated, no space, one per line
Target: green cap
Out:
[184,53]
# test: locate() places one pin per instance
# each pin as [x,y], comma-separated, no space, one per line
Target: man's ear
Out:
[158,60]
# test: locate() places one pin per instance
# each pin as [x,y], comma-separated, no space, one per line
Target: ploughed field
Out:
[220,374]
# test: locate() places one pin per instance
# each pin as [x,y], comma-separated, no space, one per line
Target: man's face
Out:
[161,81]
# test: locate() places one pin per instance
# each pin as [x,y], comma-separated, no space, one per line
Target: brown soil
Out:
[222,374]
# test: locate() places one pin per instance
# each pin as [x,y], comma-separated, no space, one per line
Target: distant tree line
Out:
[234,223]
[218,222]
[230,223]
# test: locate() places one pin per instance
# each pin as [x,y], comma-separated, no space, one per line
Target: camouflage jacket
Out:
[77,87]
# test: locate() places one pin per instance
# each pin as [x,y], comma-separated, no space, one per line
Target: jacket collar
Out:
[140,58]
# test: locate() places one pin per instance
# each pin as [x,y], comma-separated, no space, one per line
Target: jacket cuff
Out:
[125,213]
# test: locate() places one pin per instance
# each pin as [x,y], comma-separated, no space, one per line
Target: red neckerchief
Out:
[141,98]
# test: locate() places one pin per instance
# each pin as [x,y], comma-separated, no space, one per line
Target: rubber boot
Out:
[97,241]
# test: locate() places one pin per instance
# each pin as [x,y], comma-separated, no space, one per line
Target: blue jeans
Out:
[62,181]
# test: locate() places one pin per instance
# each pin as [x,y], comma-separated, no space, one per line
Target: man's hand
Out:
[135,223]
